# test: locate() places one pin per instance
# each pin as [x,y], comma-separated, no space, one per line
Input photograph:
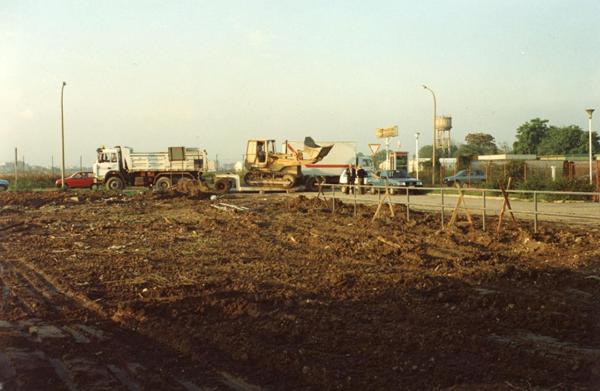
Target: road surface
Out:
[569,211]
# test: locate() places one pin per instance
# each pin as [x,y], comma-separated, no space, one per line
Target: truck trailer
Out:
[118,167]
[342,154]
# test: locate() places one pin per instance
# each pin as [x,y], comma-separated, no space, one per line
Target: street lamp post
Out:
[417,153]
[589,113]
[62,137]
[434,135]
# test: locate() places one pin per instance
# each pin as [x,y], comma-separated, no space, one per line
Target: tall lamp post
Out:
[62,137]
[417,153]
[434,135]
[589,113]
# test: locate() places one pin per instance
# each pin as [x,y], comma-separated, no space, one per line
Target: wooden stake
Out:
[387,198]
[505,205]
[460,203]
[320,193]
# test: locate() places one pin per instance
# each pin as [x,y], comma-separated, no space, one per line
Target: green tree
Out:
[478,144]
[566,140]
[379,158]
[530,135]
[426,151]
[504,147]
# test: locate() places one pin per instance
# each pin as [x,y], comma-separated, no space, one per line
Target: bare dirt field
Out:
[104,292]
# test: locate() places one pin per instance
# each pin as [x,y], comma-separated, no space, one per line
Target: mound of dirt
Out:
[294,296]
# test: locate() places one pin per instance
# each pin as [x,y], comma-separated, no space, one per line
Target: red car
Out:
[79,180]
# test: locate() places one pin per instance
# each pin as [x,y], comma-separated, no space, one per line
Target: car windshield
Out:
[395,174]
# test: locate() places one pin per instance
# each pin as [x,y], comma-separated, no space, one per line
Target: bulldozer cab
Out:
[258,151]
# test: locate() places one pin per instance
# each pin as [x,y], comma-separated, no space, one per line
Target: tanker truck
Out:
[328,169]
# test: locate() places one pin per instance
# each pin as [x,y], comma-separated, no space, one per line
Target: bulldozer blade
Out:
[313,151]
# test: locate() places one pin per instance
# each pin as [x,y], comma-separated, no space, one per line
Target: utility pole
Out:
[52,165]
[80,162]
[417,152]
[434,135]
[62,136]
[16,170]
[590,112]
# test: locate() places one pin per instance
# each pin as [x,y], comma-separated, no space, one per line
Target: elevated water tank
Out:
[443,123]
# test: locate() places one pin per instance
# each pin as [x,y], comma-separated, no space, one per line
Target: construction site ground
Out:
[159,291]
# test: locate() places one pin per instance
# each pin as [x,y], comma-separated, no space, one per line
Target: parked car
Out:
[3,184]
[395,178]
[465,176]
[79,180]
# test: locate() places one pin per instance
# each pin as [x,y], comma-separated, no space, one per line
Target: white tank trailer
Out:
[330,168]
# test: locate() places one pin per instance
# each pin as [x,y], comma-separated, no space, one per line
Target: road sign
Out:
[374,148]
[387,132]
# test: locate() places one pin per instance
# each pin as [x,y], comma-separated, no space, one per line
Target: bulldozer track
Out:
[54,339]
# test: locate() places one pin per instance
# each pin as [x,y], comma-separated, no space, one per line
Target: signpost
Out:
[387,133]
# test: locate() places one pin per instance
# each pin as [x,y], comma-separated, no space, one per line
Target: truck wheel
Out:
[115,183]
[3,188]
[311,184]
[162,184]
[222,186]
[289,181]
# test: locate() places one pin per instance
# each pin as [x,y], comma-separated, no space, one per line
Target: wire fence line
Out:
[528,201]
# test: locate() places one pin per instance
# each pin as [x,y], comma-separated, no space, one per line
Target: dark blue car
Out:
[3,184]
[465,177]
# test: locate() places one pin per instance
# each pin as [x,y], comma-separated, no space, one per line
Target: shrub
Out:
[560,184]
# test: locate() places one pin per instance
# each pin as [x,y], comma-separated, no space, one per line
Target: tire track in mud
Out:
[54,338]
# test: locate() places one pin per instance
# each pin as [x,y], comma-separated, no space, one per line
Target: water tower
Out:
[442,128]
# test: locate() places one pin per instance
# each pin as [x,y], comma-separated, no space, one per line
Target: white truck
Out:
[118,167]
[342,154]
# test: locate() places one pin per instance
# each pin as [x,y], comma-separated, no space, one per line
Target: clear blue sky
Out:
[153,74]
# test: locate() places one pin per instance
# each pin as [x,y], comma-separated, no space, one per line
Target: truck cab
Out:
[108,159]
[257,153]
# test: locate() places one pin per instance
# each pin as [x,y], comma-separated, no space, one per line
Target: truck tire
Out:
[222,186]
[114,183]
[162,184]
[289,181]
[311,184]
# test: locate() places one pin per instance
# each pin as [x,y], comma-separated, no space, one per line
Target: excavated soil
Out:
[287,295]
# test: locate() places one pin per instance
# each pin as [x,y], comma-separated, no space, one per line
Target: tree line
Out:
[535,137]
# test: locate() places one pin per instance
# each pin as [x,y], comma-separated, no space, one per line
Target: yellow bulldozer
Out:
[267,168]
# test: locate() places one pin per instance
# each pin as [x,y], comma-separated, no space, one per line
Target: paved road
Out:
[569,211]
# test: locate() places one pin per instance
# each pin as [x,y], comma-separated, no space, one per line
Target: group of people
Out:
[352,175]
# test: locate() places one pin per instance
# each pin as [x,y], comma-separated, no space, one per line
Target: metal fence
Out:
[520,170]
[583,207]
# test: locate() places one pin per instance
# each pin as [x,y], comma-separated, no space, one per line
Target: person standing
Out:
[351,177]
[361,174]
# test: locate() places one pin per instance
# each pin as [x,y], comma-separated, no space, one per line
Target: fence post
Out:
[354,192]
[535,212]
[483,213]
[333,200]
[407,204]
[442,206]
